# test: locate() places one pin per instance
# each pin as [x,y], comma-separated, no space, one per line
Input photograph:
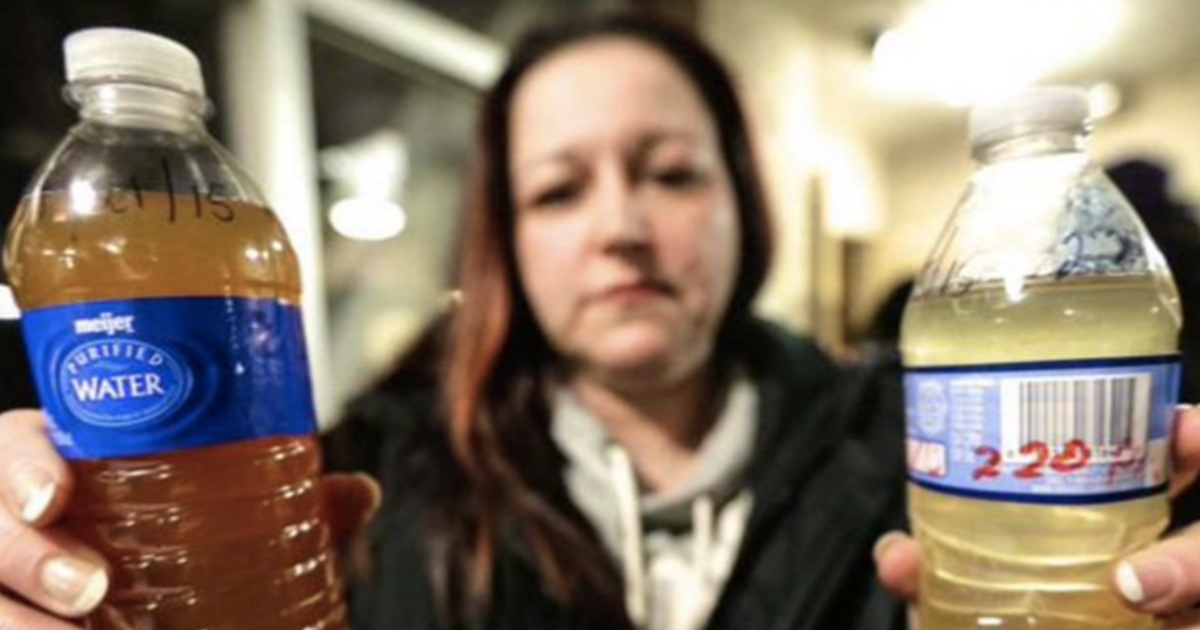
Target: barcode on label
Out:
[1110,414]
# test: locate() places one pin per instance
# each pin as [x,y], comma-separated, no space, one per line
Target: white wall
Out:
[922,182]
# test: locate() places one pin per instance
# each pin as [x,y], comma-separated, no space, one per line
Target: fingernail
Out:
[78,586]
[886,541]
[1147,581]
[35,489]
[1129,584]
[1184,407]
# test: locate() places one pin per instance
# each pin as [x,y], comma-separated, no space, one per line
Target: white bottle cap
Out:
[1030,110]
[122,53]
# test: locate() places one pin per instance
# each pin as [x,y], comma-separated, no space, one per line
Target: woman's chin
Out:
[636,353]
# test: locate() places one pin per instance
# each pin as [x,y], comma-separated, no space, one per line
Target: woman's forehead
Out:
[607,63]
[605,90]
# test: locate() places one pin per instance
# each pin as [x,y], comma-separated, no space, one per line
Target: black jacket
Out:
[827,478]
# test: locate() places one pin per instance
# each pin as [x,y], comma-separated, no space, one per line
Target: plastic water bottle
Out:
[159,301]
[1041,370]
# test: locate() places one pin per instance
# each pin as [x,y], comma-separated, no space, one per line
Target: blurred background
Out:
[356,118]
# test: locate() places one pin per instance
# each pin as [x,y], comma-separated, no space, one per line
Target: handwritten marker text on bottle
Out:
[194,203]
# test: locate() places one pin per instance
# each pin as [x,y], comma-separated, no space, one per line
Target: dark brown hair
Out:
[494,400]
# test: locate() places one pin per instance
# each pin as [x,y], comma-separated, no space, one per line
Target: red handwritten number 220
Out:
[1075,455]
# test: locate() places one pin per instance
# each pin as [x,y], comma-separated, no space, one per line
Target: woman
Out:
[608,394]
[616,441]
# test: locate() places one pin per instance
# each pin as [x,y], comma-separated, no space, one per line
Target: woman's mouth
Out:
[631,293]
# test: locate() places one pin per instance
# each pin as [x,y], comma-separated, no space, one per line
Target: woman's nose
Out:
[621,219]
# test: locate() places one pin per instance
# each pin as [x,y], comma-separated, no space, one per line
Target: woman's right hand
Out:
[55,576]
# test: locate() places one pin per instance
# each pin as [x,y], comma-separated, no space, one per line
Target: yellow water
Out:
[991,564]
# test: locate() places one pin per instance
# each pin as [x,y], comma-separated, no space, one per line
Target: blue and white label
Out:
[1056,432]
[140,377]
[122,382]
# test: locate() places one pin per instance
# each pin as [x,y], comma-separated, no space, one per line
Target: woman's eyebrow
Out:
[657,137]
[569,156]
[555,157]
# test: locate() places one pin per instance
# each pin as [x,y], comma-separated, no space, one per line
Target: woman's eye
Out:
[554,196]
[678,177]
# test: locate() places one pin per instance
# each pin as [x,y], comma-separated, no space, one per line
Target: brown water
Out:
[227,537]
[218,538]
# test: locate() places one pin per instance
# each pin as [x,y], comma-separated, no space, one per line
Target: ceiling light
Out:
[367,218]
[368,174]
[958,51]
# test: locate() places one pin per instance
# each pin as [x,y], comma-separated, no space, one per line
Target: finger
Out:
[15,615]
[1165,578]
[898,564]
[34,480]
[1186,448]
[49,569]
[348,501]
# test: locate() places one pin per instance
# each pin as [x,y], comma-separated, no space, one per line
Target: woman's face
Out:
[626,230]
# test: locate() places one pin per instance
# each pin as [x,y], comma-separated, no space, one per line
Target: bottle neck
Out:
[1038,143]
[128,104]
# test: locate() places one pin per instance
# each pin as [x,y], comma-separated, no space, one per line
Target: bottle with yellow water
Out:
[1040,374]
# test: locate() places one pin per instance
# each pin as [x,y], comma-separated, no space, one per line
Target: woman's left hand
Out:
[1163,579]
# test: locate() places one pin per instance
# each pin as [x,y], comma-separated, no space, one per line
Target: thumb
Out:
[1163,579]
[898,564]
[348,501]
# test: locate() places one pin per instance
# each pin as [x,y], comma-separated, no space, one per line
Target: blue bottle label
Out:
[1057,432]
[141,377]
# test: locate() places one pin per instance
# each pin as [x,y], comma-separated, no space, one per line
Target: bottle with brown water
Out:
[160,306]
